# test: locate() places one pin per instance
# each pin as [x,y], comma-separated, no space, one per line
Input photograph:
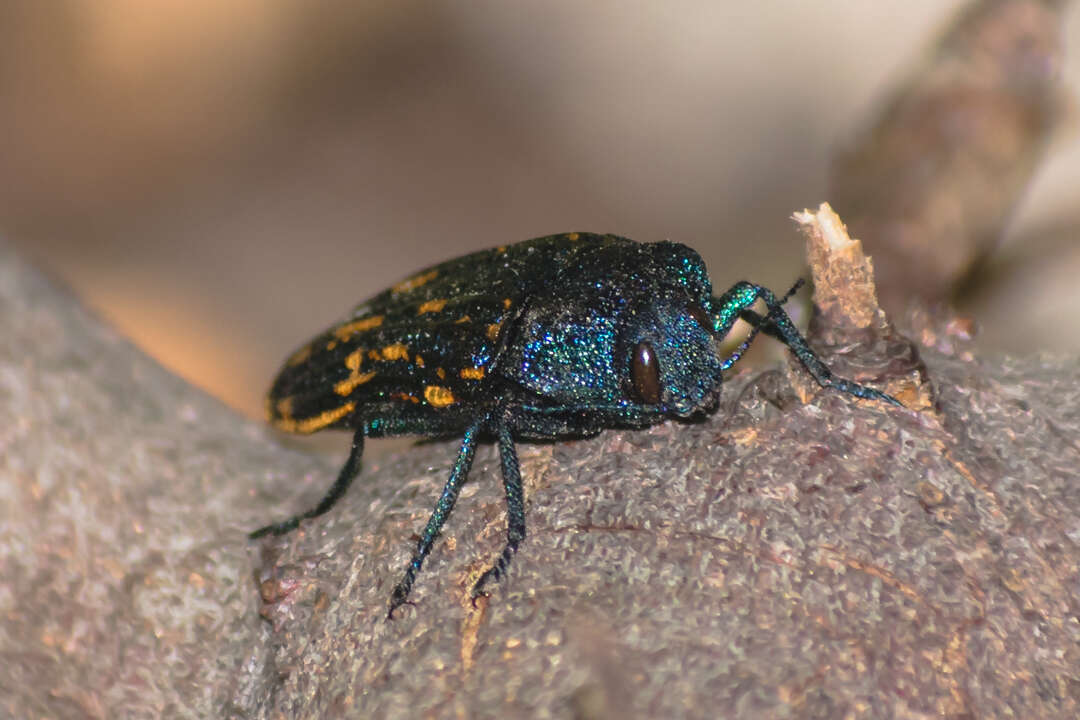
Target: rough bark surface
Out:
[833,559]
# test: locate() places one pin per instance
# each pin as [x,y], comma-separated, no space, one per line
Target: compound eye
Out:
[645,373]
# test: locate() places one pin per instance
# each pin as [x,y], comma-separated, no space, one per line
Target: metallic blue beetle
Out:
[561,336]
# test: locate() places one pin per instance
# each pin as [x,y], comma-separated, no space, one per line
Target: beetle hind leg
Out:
[335,493]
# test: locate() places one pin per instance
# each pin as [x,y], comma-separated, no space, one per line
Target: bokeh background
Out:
[221,179]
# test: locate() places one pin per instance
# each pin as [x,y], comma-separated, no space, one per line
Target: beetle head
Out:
[670,356]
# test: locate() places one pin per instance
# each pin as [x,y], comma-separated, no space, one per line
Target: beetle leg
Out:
[757,323]
[737,302]
[438,516]
[515,508]
[344,479]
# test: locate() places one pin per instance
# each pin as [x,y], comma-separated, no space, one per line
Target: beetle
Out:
[560,336]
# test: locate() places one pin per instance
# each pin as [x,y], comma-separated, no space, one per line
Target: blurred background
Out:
[222,179]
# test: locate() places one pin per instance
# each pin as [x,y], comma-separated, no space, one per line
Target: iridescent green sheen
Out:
[529,341]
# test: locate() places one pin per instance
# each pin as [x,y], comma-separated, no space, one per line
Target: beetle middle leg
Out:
[438,516]
[515,508]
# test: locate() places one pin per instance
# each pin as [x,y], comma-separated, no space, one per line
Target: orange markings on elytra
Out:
[438,396]
[415,281]
[349,329]
[283,407]
[299,356]
[397,351]
[318,422]
[431,306]
[353,361]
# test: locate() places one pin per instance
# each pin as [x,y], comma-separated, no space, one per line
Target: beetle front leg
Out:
[737,302]
[732,301]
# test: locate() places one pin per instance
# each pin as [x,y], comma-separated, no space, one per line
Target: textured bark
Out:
[848,327]
[832,559]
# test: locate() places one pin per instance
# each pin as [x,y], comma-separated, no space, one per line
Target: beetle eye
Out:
[645,373]
[702,318]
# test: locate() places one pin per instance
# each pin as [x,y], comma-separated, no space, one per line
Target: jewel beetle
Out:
[560,336]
